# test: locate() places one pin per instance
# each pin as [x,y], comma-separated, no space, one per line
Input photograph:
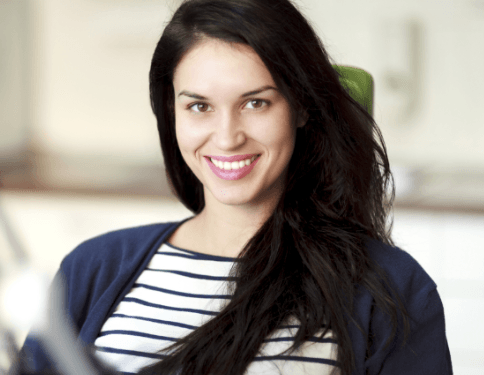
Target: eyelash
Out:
[267,103]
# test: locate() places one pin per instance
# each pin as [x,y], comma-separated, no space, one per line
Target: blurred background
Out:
[79,150]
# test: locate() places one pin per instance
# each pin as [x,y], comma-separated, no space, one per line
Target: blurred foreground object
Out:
[27,302]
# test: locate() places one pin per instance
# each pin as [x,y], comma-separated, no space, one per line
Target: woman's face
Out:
[228,112]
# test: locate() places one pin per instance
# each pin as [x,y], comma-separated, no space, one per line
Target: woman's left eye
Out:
[256,104]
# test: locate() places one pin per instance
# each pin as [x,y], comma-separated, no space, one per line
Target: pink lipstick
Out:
[234,174]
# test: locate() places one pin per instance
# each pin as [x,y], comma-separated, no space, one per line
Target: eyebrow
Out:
[250,93]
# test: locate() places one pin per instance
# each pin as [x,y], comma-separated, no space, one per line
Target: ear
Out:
[302,118]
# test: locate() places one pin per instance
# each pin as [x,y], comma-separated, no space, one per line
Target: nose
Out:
[229,132]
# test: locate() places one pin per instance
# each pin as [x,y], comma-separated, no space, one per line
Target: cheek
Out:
[189,136]
[189,143]
[278,134]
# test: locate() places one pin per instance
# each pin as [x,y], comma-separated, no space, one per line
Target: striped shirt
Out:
[179,291]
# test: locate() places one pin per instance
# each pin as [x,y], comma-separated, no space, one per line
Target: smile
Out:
[232,170]
[227,165]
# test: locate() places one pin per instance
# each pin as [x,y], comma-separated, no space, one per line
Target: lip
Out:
[234,174]
[231,158]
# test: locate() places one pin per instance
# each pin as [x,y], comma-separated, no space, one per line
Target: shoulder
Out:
[99,268]
[426,351]
[409,279]
[115,248]
[402,270]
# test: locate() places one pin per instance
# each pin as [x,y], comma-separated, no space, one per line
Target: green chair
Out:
[359,85]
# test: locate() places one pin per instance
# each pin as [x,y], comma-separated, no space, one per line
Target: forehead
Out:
[212,62]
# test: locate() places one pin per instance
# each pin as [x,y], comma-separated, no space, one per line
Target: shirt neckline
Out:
[201,255]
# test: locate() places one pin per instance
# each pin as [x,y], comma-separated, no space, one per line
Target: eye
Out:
[257,103]
[198,107]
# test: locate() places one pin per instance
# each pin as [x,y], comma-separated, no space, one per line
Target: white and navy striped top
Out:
[177,292]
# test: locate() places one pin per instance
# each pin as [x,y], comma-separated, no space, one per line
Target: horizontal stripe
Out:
[130,352]
[297,359]
[195,276]
[136,300]
[135,333]
[155,321]
[210,296]
[185,317]
[197,289]
[201,256]
[190,264]
[173,300]
[312,339]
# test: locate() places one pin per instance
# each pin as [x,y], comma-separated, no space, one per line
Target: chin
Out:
[231,198]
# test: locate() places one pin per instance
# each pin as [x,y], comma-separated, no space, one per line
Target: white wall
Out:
[13,83]
[91,72]
[445,127]
[91,61]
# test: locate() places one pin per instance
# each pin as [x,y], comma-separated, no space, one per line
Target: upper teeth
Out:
[232,165]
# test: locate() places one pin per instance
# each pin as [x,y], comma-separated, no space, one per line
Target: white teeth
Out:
[232,165]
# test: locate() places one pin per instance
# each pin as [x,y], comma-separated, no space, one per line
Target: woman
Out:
[287,266]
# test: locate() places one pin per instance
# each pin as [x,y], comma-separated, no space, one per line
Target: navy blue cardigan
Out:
[102,270]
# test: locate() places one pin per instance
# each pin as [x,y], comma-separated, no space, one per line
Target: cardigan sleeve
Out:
[426,351]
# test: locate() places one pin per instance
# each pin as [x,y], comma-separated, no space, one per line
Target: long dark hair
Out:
[308,258]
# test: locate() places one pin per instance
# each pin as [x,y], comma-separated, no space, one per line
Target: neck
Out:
[226,229]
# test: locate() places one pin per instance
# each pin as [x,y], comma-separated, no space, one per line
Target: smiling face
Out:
[228,112]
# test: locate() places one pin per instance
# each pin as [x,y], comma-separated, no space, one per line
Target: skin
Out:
[226,124]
